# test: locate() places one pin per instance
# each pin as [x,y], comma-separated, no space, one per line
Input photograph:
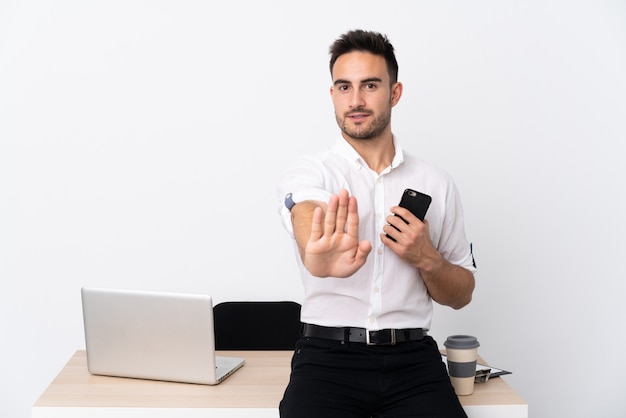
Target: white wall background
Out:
[141,141]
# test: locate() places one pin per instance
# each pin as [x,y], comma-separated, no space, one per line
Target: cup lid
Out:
[461,342]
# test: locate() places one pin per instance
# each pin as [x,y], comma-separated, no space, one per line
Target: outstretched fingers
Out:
[343,210]
[352,219]
[330,219]
[352,229]
[316,224]
[337,213]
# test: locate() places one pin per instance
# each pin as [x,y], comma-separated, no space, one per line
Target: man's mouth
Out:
[358,117]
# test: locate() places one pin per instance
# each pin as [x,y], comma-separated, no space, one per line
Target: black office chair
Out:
[256,325]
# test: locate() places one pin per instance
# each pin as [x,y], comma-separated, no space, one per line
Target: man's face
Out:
[362,95]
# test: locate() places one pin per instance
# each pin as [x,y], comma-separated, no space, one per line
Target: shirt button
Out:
[372,320]
[377,289]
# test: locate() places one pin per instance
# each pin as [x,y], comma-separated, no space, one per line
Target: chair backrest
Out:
[257,325]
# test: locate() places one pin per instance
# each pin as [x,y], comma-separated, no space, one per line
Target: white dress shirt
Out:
[386,292]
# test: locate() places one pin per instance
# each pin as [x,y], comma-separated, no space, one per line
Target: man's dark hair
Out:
[365,41]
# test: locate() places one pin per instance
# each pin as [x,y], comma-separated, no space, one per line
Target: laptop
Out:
[153,335]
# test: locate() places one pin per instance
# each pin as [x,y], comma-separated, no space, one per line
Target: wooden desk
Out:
[253,391]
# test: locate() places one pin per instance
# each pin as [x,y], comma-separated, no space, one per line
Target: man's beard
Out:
[373,129]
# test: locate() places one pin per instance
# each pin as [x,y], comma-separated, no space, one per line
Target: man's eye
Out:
[344,87]
[370,86]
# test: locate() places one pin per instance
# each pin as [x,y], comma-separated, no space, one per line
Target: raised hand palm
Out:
[333,248]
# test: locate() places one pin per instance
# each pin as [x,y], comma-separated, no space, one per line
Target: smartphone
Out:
[416,202]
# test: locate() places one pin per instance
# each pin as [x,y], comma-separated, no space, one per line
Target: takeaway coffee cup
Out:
[461,353]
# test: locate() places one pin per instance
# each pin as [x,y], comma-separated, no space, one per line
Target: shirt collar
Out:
[345,150]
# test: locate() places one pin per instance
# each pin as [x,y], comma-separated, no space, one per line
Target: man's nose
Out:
[357,99]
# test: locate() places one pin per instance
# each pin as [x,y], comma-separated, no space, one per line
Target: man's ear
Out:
[396,93]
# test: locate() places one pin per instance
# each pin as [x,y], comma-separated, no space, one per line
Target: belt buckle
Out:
[379,335]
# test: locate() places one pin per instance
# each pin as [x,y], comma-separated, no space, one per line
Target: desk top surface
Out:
[260,383]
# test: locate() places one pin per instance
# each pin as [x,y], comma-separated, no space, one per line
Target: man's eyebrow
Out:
[372,79]
[365,81]
[341,81]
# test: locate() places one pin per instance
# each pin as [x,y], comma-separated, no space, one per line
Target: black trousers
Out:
[335,379]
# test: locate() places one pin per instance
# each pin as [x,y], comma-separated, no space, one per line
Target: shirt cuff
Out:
[292,198]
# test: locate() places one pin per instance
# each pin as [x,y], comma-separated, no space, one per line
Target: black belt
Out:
[361,335]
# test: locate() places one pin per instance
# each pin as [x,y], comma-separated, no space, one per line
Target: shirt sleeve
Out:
[454,245]
[303,180]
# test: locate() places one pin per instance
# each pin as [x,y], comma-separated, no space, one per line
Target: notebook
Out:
[153,335]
